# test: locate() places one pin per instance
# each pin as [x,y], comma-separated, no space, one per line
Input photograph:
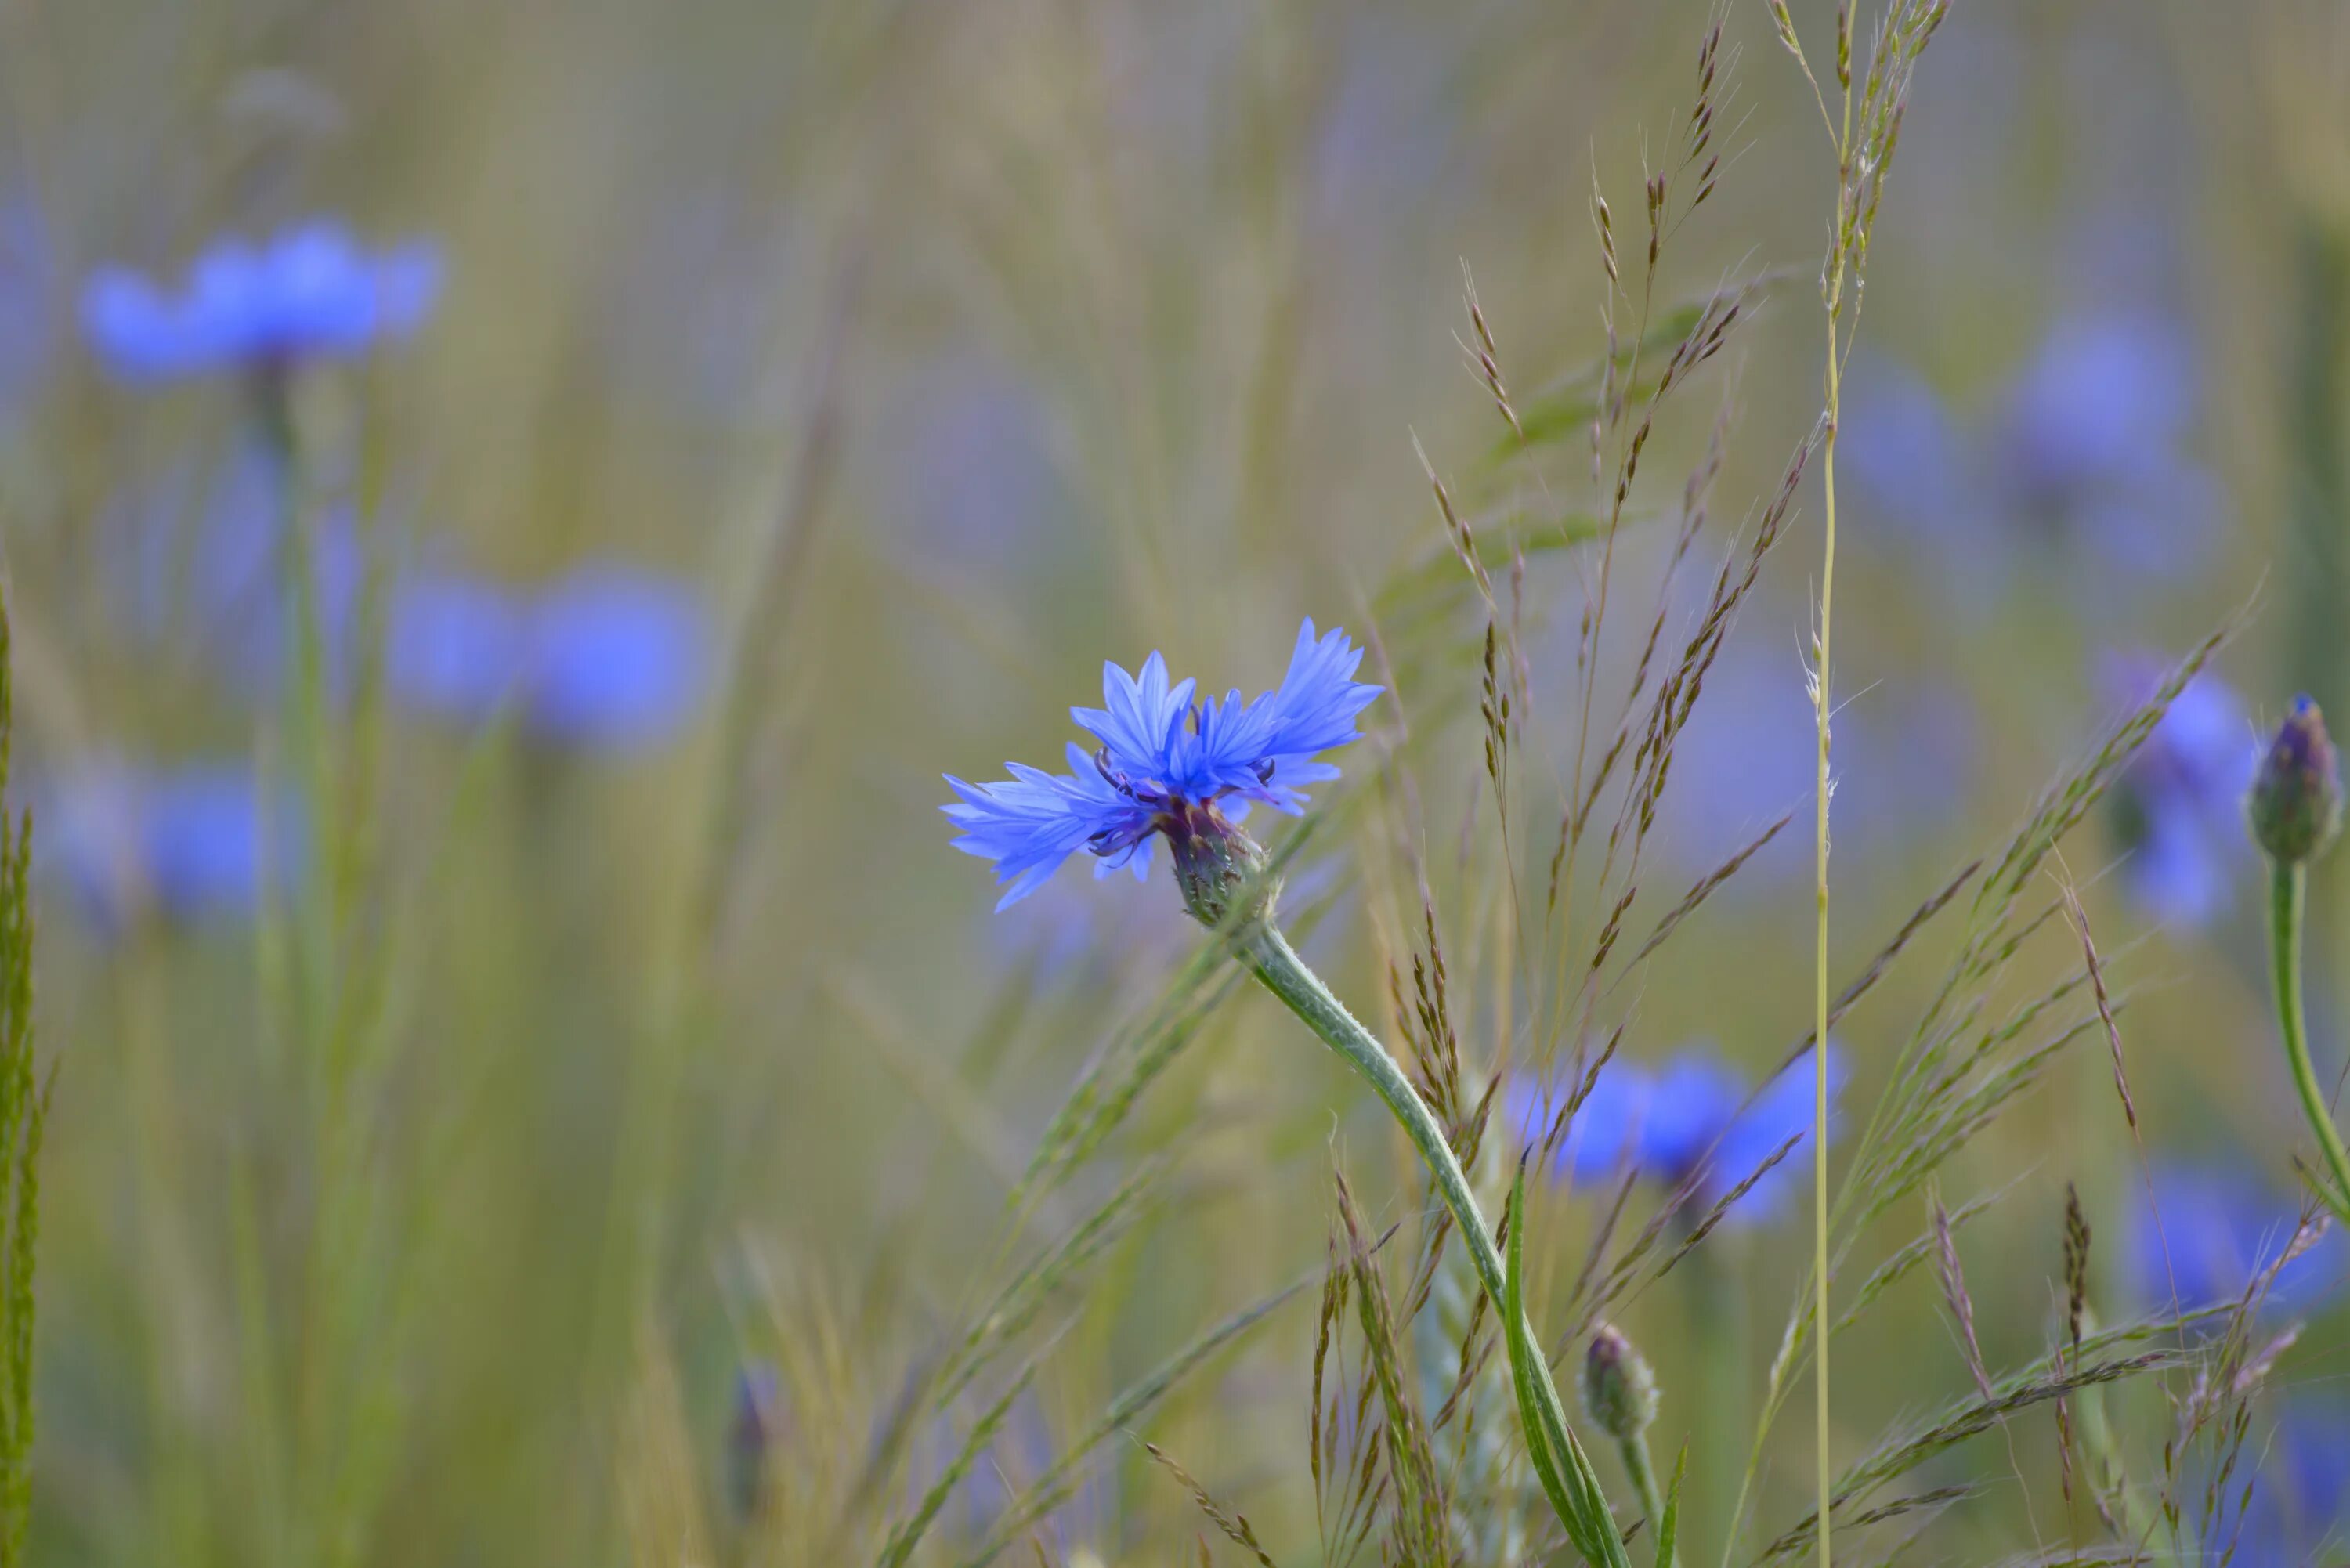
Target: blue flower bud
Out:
[1620,1392]
[2295,806]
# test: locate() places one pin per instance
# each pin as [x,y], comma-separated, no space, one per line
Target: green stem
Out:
[1822,695]
[1643,1471]
[1283,973]
[1277,966]
[2288,886]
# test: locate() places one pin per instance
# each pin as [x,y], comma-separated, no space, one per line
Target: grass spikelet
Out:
[1418,1523]
[1704,888]
[1234,1524]
[1898,1455]
[1954,1290]
[2076,1298]
[1484,357]
[2079,918]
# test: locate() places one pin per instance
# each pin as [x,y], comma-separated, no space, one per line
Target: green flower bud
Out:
[2295,806]
[1219,866]
[1620,1392]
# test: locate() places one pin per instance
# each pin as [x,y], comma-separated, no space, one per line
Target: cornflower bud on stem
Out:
[1620,1394]
[2294,810]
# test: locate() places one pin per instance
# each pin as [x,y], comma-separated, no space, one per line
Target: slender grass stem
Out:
[2288,896]
[1820,701]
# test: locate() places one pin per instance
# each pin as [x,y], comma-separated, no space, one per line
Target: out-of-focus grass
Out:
[949,351]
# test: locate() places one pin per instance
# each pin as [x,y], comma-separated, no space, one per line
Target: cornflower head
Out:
[1691,1124]
[1166,766]
[310,294]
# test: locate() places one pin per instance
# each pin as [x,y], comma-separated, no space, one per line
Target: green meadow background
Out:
[438,1213]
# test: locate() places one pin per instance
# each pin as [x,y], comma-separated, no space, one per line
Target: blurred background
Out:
[523,1027]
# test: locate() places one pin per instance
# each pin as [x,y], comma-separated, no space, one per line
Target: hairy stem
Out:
[1277,966]
[2288,887]
[1643,1471]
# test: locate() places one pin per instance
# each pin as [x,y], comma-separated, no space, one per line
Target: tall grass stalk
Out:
[1863,134]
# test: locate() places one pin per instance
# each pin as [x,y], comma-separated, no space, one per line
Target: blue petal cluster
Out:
[190,843]
[310,294]
[2207,1231]
[1158,755]
[606,658]
[1687,1124]
[2179,810]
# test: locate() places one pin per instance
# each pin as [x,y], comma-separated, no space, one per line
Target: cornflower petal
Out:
[1139,719]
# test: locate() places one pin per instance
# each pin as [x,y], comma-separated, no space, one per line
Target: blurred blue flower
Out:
[2101,403]
[2178,807]
[2301,1499]
[2208,1231]
[1161,755]
[1691,1122]
[606,658]
[2083,448]
[311,293]
[192,842]
[618,658]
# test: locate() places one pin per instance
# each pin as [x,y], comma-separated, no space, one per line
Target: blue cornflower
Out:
[618,658]
[1691,1124]
[310,294]
[2210,1230]
[1166,764]
[195,842]
[606,658]
[2178,809]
